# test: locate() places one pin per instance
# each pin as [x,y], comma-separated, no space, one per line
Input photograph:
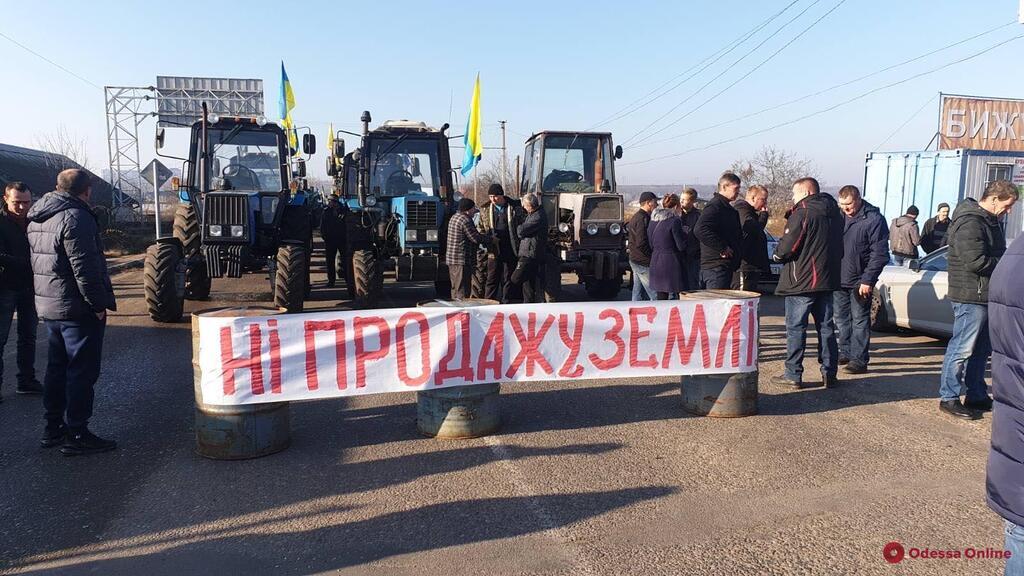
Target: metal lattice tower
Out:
[127,107]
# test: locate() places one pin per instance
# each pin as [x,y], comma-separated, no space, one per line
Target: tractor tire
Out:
[479,287]
[603,290]
[165,299]
[290,277]
[366,275]
[197,279]
[186,229]
[552,285]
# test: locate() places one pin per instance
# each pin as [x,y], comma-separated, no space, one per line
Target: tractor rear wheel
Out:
[186,228]
[290,277]
[164,298]
[366,276]
[479,288]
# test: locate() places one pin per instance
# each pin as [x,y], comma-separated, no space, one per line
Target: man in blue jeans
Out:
[865,253]
[73,294]
[640,247]
[16,293]
[812,250]
[976,243]
[1005,471]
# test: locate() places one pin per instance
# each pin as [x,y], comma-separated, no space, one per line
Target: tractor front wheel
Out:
[163,282]
[367,278]
[186,228]
[290,277]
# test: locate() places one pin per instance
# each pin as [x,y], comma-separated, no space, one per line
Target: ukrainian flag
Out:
[473,139]
[286,103]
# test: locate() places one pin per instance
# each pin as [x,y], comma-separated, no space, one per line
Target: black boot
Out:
[29,387]
[958,410]
[984,405]
[84,442]
[53,436]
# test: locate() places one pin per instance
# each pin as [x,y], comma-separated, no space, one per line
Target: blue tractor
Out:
[242,210]
[397,195]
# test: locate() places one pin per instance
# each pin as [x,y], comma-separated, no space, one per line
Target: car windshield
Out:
[935,261]
[404,165]
[245,159]
[575,163]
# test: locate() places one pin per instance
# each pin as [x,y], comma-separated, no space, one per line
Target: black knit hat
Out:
[466,204]
[495,190]
[913,211]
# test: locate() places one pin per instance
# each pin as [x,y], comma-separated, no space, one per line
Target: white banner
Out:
[253,359]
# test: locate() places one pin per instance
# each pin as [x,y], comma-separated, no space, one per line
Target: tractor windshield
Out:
[243,159]
[404,165]
[575,163]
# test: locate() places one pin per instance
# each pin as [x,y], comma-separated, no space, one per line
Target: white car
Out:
[914,296]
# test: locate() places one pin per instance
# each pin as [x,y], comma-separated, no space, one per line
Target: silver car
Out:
[914,297]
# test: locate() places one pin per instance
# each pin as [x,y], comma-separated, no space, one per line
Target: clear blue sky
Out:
[543,64]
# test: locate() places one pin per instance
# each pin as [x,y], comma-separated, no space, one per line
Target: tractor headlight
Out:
[563,227]
[431,235]
[216,230]
[212,118]
[615,228]
[371,201]
[237,231]
[592,229]
[261,120]
[410,235]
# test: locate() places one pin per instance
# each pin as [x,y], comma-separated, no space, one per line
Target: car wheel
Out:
[879,317]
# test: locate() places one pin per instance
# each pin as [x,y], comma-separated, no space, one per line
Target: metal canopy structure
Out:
[179,99]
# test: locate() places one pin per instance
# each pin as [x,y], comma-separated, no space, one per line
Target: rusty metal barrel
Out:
[729,395]
[243,431]
[458,411]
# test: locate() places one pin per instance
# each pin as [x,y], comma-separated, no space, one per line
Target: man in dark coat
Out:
[812,250]
[690,216]
[721,238]
[865,253]
[460,253]
[500,217]
[976,243]
[16,292]
[904,236]
[754,252]
[528,277]
[73,294]
[332,230]
[1005,482]
[933,236]
[640,247]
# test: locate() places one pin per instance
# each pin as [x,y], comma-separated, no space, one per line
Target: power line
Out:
[745,76]
[40,56]
[717,55]
[829,89]
[722,73]
[912,116]
[830,108]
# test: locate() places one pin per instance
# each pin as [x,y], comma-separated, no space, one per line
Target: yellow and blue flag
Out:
[286,103]
[473,139]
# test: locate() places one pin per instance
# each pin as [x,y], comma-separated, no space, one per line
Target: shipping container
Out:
[894,181]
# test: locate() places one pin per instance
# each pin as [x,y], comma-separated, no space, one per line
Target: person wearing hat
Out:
[499,218]
[904,236]
[933,236]
[332,230]
[640,247]
[460,251]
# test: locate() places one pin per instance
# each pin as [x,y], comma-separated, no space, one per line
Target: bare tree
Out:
[476,184]
[63,143]
[776,170]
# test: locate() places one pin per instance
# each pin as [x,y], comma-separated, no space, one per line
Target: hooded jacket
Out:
[754,254]
[976,242]
[904,236]
[1006,317]
[865,247]
[811,247]
[68,266]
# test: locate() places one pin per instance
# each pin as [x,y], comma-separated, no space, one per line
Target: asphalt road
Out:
[596,477]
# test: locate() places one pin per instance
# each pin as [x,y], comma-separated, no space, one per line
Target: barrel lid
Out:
[718,295]
[239,311]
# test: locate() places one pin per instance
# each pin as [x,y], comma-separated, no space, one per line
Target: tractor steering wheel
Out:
[241,172]
[398,178]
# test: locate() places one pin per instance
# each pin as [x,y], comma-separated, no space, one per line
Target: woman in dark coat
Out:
[668,248]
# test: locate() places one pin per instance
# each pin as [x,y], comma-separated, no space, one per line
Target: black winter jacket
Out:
[690,220]
[865,247]
[639,244]
[68,265]
[15,255]
[933,236]
[811,247]
[718,228]
[754,256]
[976,243]
[332,225]
[533,235]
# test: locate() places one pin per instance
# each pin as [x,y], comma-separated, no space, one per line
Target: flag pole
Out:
[476,181]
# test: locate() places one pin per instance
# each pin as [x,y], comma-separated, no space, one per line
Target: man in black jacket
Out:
[528,277]
[640,247]
[754,253]
[73,294]
[332,230]
[691,258]
[16,286]
[499,218]
[976,243]
[933,236]
[812,250]
[718,230]
[865,253]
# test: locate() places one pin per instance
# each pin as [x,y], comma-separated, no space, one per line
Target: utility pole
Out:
[504,155]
